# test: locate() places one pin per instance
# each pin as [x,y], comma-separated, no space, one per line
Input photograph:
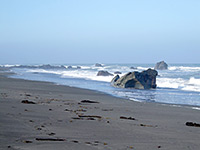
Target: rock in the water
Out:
[117,72]
[138,80]
[104,73]
[98,65]
[78,67]
[69,67]
[161,66]
[133,68]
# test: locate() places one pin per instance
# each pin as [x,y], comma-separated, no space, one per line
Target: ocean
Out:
[180,84]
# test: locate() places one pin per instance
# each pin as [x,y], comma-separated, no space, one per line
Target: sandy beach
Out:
[44,116]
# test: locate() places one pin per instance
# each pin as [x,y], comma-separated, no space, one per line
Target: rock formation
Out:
[138,80]
[117,72]
[161,66]
[98,65]
[104,73]
[133,67]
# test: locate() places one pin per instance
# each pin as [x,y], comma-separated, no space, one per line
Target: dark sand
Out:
[59,121]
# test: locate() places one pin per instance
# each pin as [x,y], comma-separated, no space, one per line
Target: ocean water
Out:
[180,84]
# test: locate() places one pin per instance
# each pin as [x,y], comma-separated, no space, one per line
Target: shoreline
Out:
[120,97]
[113,123]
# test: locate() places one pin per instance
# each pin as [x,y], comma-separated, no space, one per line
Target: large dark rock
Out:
[98,65]
[138,80]
[104,73]
[161,66]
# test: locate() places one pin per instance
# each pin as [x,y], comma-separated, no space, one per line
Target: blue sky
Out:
[106,31]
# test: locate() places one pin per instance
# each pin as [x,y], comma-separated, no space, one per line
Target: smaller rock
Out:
[98,65]
[69,67]
[78,67]
[117,72]
[161,66]
[104,73]
[133,67]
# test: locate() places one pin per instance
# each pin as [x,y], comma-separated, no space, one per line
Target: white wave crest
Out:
[185,69]
[192,84]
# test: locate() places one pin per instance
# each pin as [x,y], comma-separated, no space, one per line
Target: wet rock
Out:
[161,66]
[104,73]
[138,80]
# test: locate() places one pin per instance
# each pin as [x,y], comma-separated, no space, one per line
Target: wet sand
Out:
[44,116]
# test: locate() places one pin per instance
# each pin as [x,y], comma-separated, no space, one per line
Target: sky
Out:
[104,31]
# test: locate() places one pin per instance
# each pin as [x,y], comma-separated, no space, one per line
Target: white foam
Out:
[184,69]
[170,82]
[196,108]
[192,84]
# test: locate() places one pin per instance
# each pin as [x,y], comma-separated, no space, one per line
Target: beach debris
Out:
[107,109]
[88,117]
[4,95]
[27,102]
[98,117]
[89,101]
[129,118]
[75,141]
[67,109]
[51,134]
[192,124]
[105,143]
[50,139]
[28,95]
[26,141]
[76,118]
[144,125]
[130,147]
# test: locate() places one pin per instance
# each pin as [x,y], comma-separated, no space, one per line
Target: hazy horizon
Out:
[114,31]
